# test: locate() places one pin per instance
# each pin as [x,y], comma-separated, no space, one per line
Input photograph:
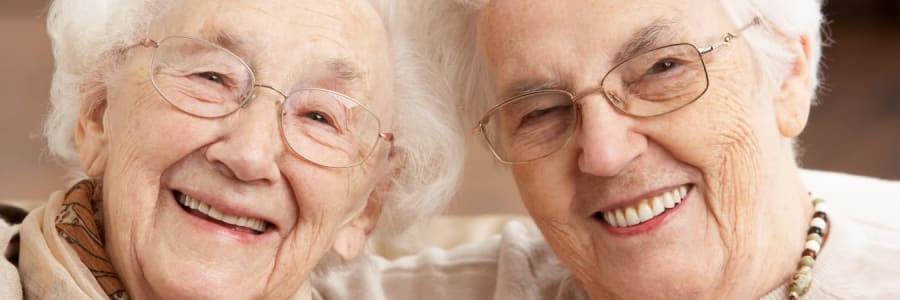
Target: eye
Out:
[662,66]
[538,115]
[318,117]
[213,76]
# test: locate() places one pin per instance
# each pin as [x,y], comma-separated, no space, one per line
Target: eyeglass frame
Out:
[250,95]
[725,40]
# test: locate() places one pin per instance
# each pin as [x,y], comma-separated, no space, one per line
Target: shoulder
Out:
[861,258]
[514,264]
[860,189]
[859,197]
[10,285]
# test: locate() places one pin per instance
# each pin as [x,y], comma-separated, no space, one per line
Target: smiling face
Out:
[221,207]
[687,204]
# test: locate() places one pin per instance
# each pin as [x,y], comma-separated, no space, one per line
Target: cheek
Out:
[720,136]
[146,137]
[720,130]
[325,197]
[546,187]
[146,134]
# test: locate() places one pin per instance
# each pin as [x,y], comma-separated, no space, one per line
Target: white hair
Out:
[88,37]
[446,30]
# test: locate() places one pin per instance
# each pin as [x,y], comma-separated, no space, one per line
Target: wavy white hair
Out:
[446,31]
[88,37]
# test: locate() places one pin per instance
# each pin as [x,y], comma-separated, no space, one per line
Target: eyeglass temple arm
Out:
[730,36]
[389,137]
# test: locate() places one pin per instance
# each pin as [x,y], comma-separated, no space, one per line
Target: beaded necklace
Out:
[815,236]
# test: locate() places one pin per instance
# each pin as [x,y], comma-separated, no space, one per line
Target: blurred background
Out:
[855,128]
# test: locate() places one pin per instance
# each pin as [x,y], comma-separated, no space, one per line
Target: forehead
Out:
[543,40]
[339,44]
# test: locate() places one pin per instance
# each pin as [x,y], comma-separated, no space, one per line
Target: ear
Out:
[350,241]
[792,103]
[90,138]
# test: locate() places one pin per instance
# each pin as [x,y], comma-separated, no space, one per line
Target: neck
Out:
[784,223]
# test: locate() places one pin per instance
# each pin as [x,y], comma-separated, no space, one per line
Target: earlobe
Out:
[351,240]
[91,140]
[792,103]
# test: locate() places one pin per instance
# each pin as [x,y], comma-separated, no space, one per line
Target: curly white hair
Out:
[88,37]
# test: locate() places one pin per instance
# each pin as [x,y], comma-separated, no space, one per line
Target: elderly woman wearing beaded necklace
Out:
[652,143]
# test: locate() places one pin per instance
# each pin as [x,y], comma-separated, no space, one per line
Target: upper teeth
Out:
[645,209]
[254,224]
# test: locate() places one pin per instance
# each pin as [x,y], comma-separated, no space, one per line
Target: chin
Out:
[170,253]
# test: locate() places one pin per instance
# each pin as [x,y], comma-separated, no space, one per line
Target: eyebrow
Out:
[526,86]
[225,40]
[340,68]
[344,69]
[645,39]
[233,43]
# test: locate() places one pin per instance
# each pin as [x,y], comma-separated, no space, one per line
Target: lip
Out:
[225,208]
[651,224]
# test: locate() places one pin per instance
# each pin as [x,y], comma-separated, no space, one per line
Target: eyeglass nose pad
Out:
[614,98]
[250,96]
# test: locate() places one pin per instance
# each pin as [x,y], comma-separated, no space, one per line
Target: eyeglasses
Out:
[535,125]
[204,80]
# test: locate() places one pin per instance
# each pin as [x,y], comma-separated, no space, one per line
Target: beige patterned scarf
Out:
[80,223]
[62,254]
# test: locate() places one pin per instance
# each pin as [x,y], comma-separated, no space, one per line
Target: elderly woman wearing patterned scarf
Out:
[229,148]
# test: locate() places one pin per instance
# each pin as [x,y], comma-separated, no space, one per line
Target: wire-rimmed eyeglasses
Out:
[205,80]
[536,124]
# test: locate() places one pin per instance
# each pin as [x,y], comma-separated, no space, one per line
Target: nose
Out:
[606,138]
[250,141]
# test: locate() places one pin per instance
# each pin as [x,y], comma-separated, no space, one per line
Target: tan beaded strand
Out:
[815,236]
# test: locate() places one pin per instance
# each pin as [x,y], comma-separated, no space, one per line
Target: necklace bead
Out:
[818,229]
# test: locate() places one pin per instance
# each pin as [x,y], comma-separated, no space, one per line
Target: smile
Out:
[644,210]
[205,211]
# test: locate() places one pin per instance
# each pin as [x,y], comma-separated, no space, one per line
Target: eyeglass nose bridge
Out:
[279,103]
[608,95]
[253,94]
